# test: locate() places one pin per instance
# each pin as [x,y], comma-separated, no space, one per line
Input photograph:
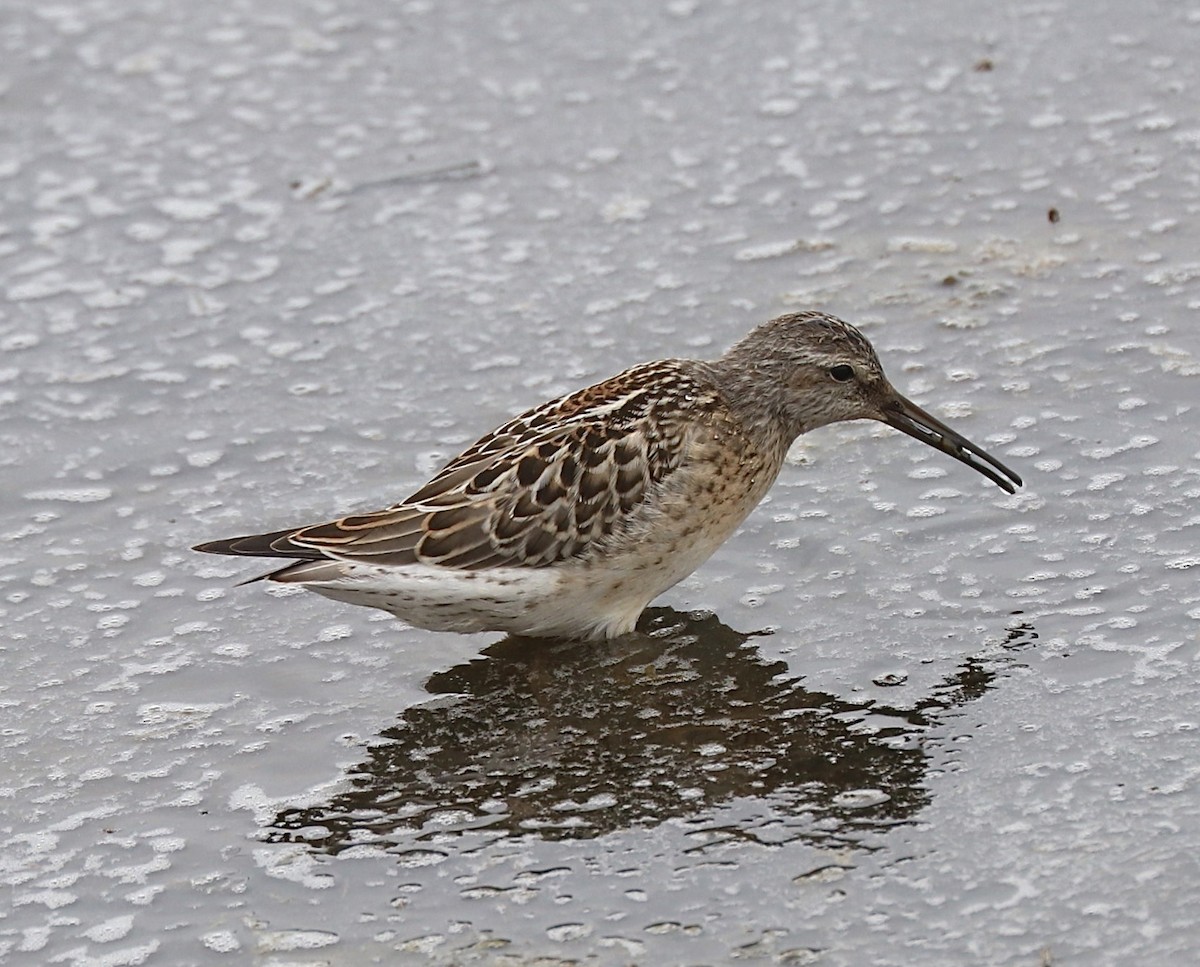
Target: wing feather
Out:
[545,487]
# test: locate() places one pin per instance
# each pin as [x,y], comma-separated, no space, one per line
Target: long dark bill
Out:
[905,415]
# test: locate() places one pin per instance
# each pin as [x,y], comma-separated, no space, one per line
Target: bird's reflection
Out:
[575,740]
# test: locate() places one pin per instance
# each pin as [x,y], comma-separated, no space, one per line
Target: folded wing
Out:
[543,488]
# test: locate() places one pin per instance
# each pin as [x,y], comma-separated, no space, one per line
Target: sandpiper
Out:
[568,520]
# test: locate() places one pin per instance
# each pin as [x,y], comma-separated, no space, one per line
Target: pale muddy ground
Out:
[266,262]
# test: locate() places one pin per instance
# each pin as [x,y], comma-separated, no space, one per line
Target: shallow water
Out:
[266,263]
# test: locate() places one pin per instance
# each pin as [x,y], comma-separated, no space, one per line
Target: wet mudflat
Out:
[264,264]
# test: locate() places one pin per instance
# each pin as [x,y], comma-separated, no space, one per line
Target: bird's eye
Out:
[842,373]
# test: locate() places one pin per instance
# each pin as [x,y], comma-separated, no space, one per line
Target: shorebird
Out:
[568,520]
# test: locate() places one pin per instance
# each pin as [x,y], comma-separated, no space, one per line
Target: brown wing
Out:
[542,488]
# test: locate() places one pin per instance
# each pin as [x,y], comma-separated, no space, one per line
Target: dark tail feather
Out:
[275,544]
[255,580]
[302,572]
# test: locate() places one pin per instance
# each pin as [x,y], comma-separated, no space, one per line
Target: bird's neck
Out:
[756,393]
